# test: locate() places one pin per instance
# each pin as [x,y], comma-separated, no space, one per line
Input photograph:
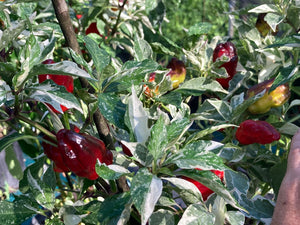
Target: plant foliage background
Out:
[169,134]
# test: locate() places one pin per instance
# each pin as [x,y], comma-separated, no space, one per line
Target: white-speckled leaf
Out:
[196,214]
[138,118]
[146,189]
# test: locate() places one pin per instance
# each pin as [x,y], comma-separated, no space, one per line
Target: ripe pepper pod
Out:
[226,49]
[256,131]
[54,154]
[205,191]
[63,80]
[80,152]
[275,98]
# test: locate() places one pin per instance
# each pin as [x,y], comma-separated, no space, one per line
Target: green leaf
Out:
[112,109]
[138,118]
[158,139]
[173,98]
[285,75]
[15,212]
[197,214]
[12,162]
[289,41]
[273,20]
[41,192]
[5,93]
[36,171]
[11,33]
[60,68]
[197,155]
[213,182]
[235,217]
[111,172]
[207,131]
[55,95]
[176,129]
[132,73]
[115,209]
[162,217]
[49,177]
[25,9]
[100,57]
[257,207]
[264,8]
[200,29]
[200,85]
[231,153]
[213,110]
[80,61]
[13,137]
[142,49]
[146,189]
[187,190]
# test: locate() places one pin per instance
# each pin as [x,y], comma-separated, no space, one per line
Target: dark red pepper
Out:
[81,151]
[126,150]
[205,191]
[63,80]
[226,49]
[78,153]
[92,28]
[256,131]
[54,154]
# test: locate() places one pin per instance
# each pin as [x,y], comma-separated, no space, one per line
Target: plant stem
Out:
[36,125]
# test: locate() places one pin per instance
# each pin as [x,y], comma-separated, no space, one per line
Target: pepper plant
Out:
[147,135]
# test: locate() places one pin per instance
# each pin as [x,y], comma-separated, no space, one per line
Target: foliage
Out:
[170,134]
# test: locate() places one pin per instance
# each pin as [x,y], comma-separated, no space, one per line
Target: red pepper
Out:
[81,151]
[64,80]
[256,131]
[126,150]
[205,191]
[92,29]
[226,49]
[54,154]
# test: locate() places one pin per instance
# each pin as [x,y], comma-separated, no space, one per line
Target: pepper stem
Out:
[36,125]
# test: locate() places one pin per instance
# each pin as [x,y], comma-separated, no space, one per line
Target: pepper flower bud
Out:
[256,131]
[226,49]
[275,98]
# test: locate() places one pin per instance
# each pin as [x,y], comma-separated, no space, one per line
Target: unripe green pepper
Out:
[271,99]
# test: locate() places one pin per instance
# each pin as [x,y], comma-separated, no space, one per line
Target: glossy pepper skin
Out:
[275,98]
[256,131]
[226,49]
[54,154]
[63,80]
[205,191]
[78,152]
